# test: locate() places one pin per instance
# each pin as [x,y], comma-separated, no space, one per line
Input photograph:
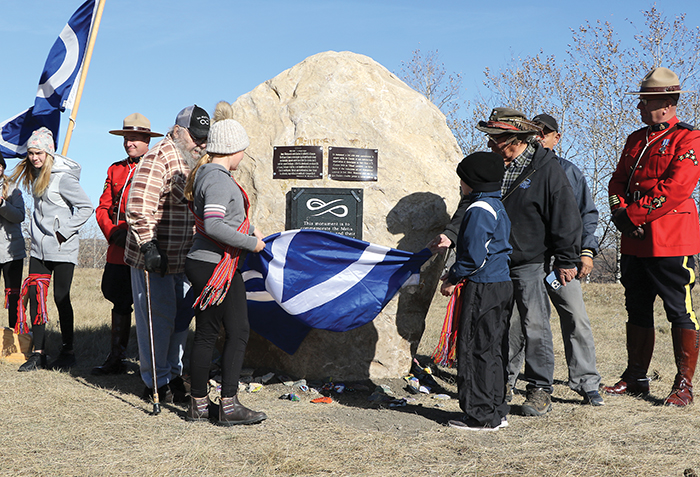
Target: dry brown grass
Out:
[76,424]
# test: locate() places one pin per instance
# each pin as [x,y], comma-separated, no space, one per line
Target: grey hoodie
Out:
[63,207]
[11,217]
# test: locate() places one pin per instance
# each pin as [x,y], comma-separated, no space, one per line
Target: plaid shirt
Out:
[516,167]
[157,208]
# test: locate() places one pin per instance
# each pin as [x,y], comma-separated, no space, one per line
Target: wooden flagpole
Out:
[83,75]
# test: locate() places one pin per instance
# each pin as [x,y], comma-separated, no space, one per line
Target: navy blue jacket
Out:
[586,205]
[483,247]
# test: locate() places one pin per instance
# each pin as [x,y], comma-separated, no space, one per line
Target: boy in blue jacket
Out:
[482,267]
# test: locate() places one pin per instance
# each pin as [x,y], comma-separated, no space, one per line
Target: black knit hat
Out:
[482,171]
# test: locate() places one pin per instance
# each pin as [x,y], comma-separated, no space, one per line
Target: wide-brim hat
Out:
[136,123]
[508,121]
[660,81]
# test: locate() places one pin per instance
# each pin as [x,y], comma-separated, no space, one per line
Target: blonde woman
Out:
[223,236]
[61,207]
[12,247]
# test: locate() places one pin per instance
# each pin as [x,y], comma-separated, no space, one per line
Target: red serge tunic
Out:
[110,214]
[660,190]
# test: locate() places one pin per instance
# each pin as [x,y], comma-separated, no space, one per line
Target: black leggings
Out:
[62,280]
[12,273]
[233,314]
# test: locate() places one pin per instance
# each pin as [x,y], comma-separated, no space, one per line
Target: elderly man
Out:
[111,217]
[161,230]
[651,200]
[545,223]
[576,333]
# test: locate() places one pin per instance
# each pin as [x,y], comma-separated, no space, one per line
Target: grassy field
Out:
[76,424]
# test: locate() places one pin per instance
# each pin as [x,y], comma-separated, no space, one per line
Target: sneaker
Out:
[466,424]
[592,397]
[65,361]
[504,423]
[34,362]
[538,402]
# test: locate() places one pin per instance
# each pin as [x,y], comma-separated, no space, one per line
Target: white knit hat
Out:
[227,137]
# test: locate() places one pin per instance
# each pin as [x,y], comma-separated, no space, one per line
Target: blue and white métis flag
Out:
[306,279]
[55,93]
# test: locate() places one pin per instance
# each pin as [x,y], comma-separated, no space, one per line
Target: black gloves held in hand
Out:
[154,259]
[624,224]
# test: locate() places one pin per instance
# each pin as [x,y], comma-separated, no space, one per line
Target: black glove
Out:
[154,259]
[624,224]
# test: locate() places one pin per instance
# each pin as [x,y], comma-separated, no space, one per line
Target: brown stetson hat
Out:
[508,121]
[136,123]
[660,81]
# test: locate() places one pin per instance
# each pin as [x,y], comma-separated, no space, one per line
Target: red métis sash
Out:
[215,290]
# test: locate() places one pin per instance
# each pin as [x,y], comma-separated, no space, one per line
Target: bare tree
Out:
[585,92]
[427,75]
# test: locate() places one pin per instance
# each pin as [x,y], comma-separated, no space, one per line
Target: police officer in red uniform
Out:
[116,279]
[652,206]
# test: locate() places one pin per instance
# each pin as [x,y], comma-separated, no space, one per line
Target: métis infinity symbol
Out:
[315,204]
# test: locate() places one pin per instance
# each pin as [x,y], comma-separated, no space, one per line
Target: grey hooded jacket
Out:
[63,207]
[12,245]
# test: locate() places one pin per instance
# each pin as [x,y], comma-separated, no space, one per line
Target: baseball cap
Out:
[194,119]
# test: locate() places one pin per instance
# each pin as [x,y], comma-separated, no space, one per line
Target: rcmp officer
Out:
[652,206]
[110,214]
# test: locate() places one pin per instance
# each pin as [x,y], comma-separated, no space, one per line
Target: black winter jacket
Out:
[543,212]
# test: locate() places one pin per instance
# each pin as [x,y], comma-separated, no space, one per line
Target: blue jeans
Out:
[576,334]
[530,328]
[171,311]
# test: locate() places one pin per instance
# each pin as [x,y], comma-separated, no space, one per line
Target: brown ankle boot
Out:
[686,344]
[232,412]
[640,347]
[114,364]
[198,410]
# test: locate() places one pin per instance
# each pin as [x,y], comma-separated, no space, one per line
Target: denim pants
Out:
[530,328]
[171,312]
[576,334]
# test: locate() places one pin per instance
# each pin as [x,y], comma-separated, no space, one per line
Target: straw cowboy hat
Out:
[136,123]
[660,81]
[508,121]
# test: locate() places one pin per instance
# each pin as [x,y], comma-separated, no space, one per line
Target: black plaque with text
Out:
[297,162]
[352,164]
[333,210]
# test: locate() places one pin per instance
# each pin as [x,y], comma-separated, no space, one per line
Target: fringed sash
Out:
[445,353]
[41,281]
[215,290]
[8,293]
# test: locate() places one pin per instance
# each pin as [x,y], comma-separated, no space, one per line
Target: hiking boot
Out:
[592,397]
[232,412]
[466,424]
[198,410]
[178,390]
[538,402]
[112,365]
[34,362]
[164,395]
[65,361]
[509,392]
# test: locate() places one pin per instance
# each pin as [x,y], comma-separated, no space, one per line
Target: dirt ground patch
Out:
[77,424]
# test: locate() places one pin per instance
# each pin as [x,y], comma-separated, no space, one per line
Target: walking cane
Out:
[156,400]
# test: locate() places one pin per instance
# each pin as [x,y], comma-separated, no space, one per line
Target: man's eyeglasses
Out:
[197,140]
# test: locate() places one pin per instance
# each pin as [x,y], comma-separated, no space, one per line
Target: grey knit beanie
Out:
[42,139]
[227,137]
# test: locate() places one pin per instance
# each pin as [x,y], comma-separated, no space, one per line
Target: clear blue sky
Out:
[156,57]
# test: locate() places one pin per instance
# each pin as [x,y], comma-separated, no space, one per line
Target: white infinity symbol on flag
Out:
[323,292]
[315,204]
[70,42]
